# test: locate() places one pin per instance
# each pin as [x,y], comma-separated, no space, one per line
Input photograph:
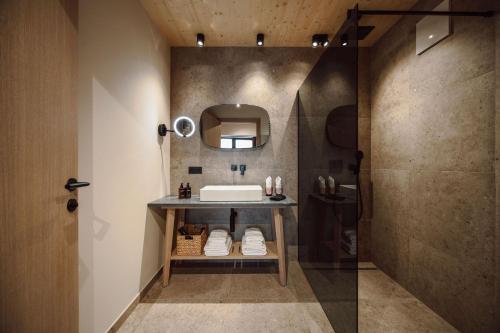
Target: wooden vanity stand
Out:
[275,249]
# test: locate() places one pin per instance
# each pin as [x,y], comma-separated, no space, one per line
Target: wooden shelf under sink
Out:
[234,254]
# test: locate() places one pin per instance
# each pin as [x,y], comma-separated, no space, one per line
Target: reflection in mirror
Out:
[235,126]
[339,124]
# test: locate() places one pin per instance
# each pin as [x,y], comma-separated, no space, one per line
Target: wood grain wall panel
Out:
[284,22]
[38,147]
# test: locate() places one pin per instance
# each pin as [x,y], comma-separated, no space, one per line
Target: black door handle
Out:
[72,184]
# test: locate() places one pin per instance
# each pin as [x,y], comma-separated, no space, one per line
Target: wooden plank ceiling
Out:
[285,23]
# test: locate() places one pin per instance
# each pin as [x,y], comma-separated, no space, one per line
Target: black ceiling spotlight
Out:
[200,40]
[315,41]
[344,40]
[260,39]
[325,41]
[320,40]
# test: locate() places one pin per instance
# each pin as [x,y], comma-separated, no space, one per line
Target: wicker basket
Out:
[193,244]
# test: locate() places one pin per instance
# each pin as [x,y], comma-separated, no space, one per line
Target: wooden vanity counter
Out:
[275,249]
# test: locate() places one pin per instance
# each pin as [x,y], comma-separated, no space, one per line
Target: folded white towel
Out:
[221,252]
[253,231]
[253,243]
[253,252]
[217,240]
[218,233]
[254,237]
[261,252]
[218,246]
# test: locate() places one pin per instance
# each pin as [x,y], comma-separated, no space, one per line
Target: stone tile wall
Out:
[266,77]
[433,170]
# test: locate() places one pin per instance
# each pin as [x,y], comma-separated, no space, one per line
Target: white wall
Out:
[124,92]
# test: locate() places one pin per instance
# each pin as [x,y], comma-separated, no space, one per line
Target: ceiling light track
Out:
[362,12]
[320,40]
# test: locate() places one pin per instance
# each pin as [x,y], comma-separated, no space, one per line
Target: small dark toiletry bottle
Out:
[188,191]
[182,192]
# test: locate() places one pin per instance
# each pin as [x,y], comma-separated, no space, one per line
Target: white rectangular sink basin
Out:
[231,193]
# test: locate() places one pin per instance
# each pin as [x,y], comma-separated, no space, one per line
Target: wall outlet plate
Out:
[195,170]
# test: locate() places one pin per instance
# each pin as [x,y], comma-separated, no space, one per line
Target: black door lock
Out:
[72,205]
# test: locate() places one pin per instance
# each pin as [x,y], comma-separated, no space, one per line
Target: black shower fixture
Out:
[200,40]
[260,39]
[344,40]
[364,30]
[320,40]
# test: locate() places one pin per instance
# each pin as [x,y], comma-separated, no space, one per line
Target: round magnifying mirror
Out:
[184,126]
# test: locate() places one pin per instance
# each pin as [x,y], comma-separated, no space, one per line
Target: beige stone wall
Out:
[433,144]
[266,77]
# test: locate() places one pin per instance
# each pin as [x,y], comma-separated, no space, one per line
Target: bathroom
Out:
[377,121]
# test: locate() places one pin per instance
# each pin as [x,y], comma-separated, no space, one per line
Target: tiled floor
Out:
[384,306]
[255,302]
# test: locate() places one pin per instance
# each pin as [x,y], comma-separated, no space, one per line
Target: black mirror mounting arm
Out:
[162,130]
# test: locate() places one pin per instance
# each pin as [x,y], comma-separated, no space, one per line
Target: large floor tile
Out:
[191,288]
[243,317]
[255,302]
[385,306]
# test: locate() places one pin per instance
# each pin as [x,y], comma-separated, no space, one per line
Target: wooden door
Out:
[38,153]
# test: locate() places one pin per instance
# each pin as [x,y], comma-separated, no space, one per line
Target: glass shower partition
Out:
[328,148]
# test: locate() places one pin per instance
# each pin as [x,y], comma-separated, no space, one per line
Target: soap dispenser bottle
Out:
[331,185]
[182,192]
[269,186]
[278,187]
[188,191]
